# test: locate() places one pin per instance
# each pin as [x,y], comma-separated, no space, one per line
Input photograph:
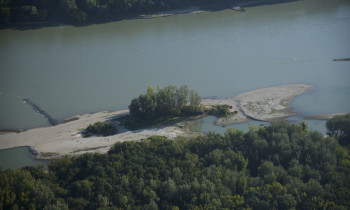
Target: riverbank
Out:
[190,10]
[90,19]
[265,104]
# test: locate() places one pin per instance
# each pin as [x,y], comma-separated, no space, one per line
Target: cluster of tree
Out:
[280,166]
[100,128]
[168,101]
[88,10]
[339,127]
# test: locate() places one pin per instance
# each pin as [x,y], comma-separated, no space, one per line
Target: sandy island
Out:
[265,104]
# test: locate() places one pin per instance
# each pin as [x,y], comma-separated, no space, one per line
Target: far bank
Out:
[80,13]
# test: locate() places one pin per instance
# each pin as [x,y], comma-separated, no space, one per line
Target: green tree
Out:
[195,100]
[182,96]
[339,127]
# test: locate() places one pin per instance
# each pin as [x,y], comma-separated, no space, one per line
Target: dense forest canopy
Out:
[280,166]
[13,11]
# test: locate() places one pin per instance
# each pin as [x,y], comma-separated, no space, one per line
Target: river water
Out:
[18,157]
[70,70]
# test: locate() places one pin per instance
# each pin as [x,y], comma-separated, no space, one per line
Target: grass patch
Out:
[89,149]
[48,154]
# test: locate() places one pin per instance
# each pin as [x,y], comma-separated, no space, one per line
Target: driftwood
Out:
[341,59]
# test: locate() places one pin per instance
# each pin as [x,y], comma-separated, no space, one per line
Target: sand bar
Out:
[266,104]
[66,139]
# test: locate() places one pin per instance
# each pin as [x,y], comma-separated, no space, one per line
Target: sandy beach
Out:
[65,139]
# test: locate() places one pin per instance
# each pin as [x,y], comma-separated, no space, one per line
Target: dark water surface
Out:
[72,70]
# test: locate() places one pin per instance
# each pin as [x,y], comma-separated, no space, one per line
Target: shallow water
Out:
[207,124]
[18,157]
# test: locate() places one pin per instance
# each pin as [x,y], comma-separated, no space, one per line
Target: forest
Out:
[280,166]
[83,11]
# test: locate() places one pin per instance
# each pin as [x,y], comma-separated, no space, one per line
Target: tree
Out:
[192,173]
[182,95]
[166,102]
[195,100]
[68,6]
[339,127]
[42,194]
[135,107]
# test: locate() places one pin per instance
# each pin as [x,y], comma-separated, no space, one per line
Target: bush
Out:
[220,110]
[339,127]
[100,128]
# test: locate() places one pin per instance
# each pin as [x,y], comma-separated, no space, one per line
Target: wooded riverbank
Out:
[80,13]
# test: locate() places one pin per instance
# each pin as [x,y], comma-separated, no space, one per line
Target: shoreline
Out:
[323,116]
[193,9]
[266,104]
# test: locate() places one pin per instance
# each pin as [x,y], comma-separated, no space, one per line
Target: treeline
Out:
[166,102]
[12,11]
[280,166]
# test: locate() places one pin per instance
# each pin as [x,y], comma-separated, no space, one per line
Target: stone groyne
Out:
[36,108]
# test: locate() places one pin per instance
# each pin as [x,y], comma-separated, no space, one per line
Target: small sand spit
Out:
[266,104]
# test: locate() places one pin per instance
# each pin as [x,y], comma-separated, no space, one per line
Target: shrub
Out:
[100,128]
[220,110]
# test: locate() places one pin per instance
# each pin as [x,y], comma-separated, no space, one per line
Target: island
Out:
[267,104]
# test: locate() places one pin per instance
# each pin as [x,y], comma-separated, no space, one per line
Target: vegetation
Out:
[162,106]
[100,128]
[220,111]
[280,166]
[339,127]
[12,11]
